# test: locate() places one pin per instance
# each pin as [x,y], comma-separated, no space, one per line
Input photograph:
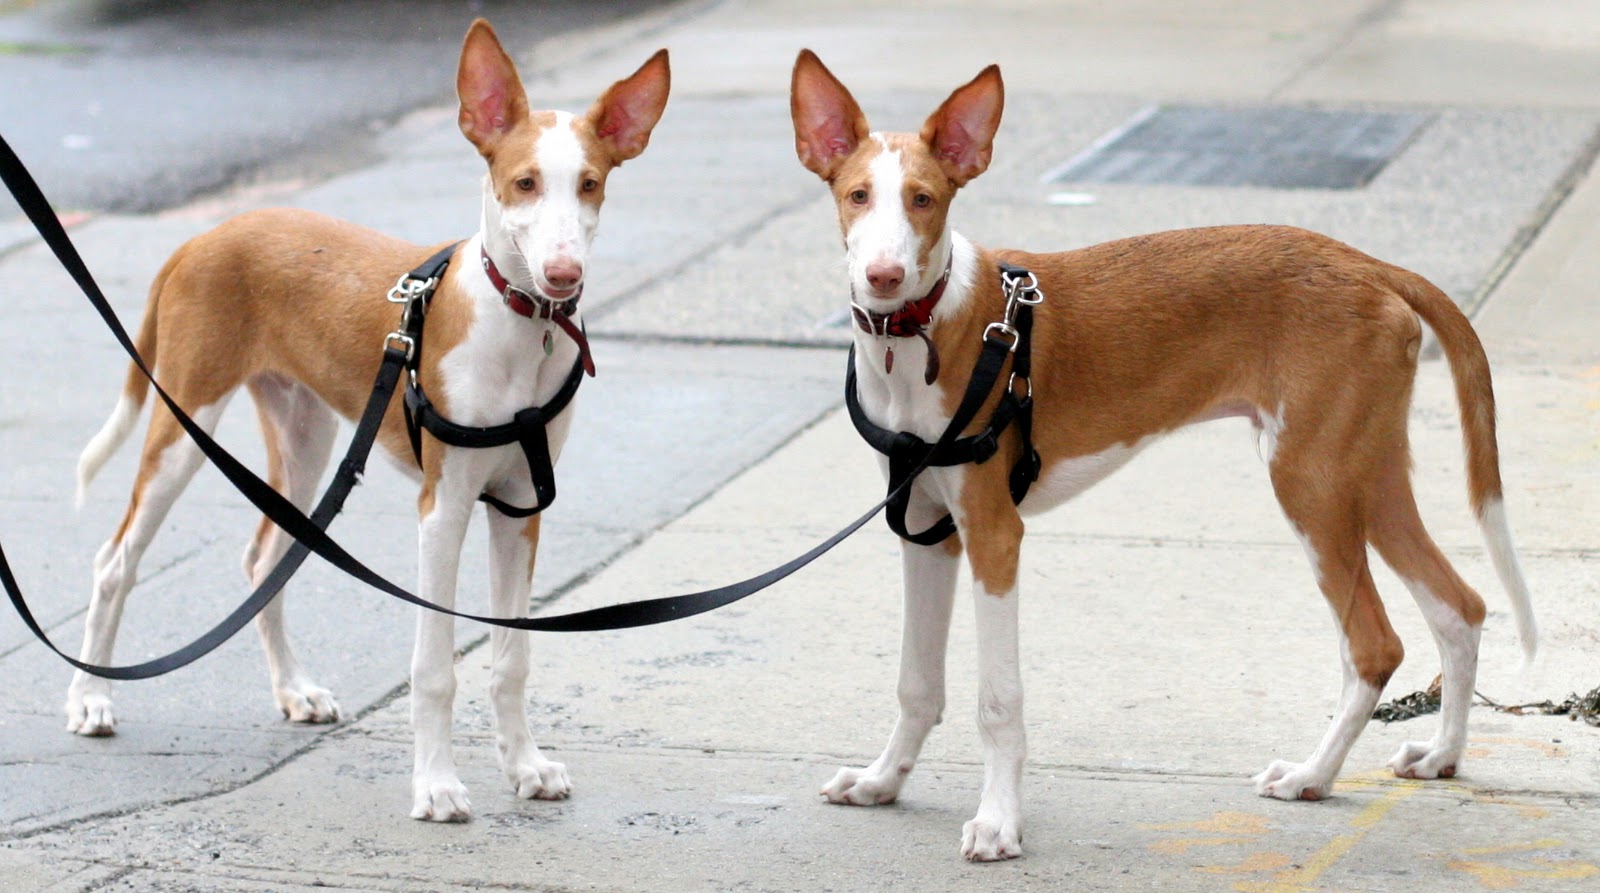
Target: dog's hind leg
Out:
[299,432]
[167,464]
[513,544]
[1454,613]
[1326,515]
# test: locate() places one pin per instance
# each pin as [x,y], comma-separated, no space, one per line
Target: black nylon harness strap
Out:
[526,428]
[909,454]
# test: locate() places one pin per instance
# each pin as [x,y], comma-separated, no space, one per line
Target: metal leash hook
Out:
[1020,288]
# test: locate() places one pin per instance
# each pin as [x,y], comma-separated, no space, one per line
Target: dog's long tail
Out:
[135,388]
[1469,368]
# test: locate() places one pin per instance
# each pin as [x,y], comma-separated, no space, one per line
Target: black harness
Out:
[526,429]
[909,454]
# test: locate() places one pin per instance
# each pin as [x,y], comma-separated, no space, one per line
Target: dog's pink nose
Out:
[563,273]
[885,275]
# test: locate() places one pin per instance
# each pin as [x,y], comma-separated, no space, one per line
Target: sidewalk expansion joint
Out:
[1371,16]
[837,344]
[737,237]
[1580,167]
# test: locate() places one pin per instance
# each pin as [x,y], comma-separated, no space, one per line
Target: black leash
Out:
[309,533]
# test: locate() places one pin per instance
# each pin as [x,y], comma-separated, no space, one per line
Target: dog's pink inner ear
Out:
[961,133]
[827,128]
[489,112]
[828,124]
[491,94]
[624,117]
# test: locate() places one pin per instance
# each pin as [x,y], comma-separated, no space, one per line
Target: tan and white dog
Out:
[291,305]
[1312,340]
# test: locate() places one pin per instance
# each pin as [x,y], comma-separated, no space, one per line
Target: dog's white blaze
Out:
[566,227]
[555,226]
[884,233]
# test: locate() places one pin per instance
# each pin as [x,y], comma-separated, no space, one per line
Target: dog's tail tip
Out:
[1503,555]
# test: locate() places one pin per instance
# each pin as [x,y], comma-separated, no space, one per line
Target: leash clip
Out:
[408,289]
[1021,288]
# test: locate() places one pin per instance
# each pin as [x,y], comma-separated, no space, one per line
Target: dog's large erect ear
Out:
[961,133]
[828,125]
[625,114]
[492,100]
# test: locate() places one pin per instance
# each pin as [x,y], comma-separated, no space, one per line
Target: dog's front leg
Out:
[930,581]
[437,792]
[994,540]
[513,544]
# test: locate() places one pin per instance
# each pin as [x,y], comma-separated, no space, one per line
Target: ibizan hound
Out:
[1312,340]
[291,305]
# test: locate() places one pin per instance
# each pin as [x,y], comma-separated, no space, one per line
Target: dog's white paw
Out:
[307,702]
[90,716]
[863,787]
[991,839]
[540,779]
[440,800]
[1424,759]
[1291,781]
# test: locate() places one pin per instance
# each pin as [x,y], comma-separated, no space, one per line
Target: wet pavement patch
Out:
[1275,147]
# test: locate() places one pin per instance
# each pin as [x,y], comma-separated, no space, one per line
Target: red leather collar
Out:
[537,306]
[909,320]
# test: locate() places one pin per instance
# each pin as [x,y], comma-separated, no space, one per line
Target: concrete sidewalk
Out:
[1174,644]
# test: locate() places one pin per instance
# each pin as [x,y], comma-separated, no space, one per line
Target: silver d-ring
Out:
[1011,386]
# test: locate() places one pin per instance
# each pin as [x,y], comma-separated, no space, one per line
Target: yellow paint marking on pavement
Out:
[1548,748]
[1526,810]
[1301,878]
[1503,877]
[1222,829]
[1253,863]
[1544,844]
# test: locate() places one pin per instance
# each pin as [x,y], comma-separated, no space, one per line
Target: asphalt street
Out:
[139,105]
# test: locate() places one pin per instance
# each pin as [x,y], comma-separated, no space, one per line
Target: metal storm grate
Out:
[1280,148]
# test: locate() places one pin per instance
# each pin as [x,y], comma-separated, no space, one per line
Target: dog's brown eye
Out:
[859,196]
[591,184]
[525,184]
[921,200]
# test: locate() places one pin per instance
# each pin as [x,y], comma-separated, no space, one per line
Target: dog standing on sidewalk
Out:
[1313,341]
[290,304]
